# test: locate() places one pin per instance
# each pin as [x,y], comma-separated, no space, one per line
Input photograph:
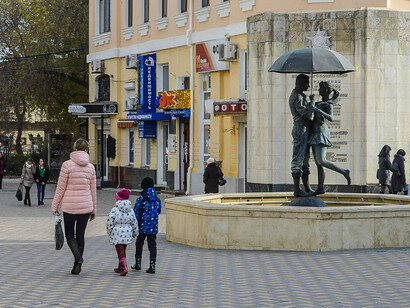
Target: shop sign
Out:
[180,99]
[123,123]
[148,116]
[230,107]
[147,129]
[207,58]
[184,113]
[93,109]
[147,82]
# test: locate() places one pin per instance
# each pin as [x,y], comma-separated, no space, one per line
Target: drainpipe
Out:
[191,87]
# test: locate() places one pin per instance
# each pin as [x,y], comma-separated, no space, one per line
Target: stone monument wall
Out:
[375,105]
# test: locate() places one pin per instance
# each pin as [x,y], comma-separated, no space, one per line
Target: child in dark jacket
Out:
[147,208]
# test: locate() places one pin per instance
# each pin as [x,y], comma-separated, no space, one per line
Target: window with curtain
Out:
[164,8]
[129,13]
[183,6]
[205,3]
[105,15]
[102,83]
[146,11]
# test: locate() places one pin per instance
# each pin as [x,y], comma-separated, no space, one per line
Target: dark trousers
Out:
[27,195]
[1,180]
[40,191]
[152,245]
[79,221]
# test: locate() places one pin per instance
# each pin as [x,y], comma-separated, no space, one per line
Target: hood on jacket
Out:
[399,157]
[149,194]
[124,206]
[81,158]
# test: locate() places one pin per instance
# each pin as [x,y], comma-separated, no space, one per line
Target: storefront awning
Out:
[94,109]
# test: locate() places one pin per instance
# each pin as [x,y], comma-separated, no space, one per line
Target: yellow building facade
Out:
[191,58]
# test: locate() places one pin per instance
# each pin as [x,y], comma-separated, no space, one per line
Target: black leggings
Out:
[80,222]
[27,195]
[152,245]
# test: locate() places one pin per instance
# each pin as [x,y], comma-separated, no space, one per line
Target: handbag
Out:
[221,180]
[59,235]
[19,193]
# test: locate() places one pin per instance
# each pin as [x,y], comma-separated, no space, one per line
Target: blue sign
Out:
[147,129]
[183,113]
[140,116]
[148,82]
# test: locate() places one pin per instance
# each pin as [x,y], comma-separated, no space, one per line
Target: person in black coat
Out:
[41,178]
[398,179]
[383,173]
[211,176]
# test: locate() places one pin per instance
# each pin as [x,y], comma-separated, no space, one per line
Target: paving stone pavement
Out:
[34,274]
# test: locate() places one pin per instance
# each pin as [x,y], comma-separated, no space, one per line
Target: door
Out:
[162,152]
[183,149]
[242,164]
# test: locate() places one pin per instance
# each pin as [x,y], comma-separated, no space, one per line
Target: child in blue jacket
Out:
[147,208]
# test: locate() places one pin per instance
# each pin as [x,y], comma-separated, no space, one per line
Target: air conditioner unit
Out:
[130,104]
[97,66]
[131,61]
[227,51]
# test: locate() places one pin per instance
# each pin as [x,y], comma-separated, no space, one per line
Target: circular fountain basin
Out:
[264,221]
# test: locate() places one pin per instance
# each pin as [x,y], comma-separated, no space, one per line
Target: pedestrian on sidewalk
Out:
[41,178]
[27,178]
[147,208]
[2,169]
[211,176]
[122,227]
[383,173]
[77,192]
[398,179]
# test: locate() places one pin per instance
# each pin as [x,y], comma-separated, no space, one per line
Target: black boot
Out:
[78,259]
[297,192]
[305,181]
[137,265]
[151,269]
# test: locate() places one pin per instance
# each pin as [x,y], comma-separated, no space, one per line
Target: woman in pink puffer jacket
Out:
[76,190]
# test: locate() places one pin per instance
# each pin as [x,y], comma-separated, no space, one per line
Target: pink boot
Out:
[123,267]
[118,269]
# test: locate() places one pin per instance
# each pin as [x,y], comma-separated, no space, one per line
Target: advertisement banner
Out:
[147,129]
[147,82]
[180,99]
[207,57]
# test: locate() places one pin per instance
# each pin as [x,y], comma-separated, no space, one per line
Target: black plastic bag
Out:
[59,235]
[19,193]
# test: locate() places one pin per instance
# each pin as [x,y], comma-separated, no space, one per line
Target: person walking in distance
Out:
[211,176]
[147,208]
[122,227]
[77,192]
[398,179]
[2,169]
[41,178]
[383,173]
[27,179]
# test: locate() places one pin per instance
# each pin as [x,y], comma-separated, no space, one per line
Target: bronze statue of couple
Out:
[310,131]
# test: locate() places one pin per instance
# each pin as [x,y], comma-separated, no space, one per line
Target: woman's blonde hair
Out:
[81,145]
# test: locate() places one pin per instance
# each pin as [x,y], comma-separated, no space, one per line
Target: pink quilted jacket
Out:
[76,187]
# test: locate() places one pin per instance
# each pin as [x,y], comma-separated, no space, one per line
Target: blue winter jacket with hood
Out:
[147,208]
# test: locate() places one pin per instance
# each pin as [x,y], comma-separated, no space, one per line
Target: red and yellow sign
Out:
[180,99]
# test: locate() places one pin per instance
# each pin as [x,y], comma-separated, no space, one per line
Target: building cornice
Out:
[170,42]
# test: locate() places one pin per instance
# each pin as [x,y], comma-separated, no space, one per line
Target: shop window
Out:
[102,88]
[131,146]
[104,15]
[128,13]
[145,152]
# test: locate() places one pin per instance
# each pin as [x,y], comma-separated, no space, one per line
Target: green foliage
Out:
[43,74]
[16,161]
